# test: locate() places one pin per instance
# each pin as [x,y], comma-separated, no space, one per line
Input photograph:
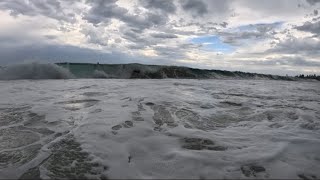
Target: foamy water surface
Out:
[98,129]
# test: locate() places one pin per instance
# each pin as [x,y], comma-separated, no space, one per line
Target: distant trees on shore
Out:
[310,76]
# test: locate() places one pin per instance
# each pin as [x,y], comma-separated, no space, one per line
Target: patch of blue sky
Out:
[213,43]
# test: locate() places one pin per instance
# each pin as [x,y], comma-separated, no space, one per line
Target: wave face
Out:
[121,71]
[99,74]
[34,71]
[141,71]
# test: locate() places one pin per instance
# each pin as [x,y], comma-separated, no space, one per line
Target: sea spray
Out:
[34,70]
[99,74]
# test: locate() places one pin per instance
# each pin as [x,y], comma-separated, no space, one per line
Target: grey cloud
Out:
[219,8]
[293,45]
[136,46]
[49,8]
[312,27]
[313,2]
[235,37]
[132,35]
[186,46]
[288,61]
[136,37]
[164,35]
[197,8]
[66,53]
[204,28]
[170,53]
[62,53]
[260,31]
[271,7]
[141,22]
[103,11]
[95,37]
[163,5]
[224,24]
[50,37]
[175,52]
[134,24]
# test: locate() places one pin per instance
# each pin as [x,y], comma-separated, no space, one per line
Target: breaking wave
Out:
[35,71]
[121,71]
[99,74]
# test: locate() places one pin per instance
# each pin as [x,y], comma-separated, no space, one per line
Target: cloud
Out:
[95,36]
[287,61]
[50,8]
[165,6]
[301,46]
[313,2]
[252,31]
[197,8]
[312,27]
[62,53]
[267,33]
[103,11]
[135,39]
[164,35]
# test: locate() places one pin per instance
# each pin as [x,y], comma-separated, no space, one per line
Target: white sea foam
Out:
[160,129]
[99,74]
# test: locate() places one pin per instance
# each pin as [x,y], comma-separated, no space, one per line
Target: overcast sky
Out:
[265,36]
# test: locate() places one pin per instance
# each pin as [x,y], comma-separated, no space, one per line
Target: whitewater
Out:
[169,128]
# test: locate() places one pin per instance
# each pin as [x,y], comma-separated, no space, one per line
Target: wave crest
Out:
[34,71]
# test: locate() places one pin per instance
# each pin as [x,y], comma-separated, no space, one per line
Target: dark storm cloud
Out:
[197,8]
[49,8]
[163,5]
[312,27]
